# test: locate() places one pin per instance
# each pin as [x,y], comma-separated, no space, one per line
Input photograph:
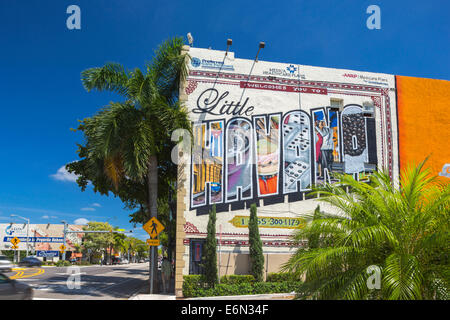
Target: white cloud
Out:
[48,217]
[81,221]
[63,175]
[96,205]
[51,213]
[87,209]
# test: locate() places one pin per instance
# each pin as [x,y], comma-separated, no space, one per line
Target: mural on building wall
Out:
[267,156]
[267,153]
[297,151]
[239,153]
[208,163]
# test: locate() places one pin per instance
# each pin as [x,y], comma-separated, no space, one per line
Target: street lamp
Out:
[28,226]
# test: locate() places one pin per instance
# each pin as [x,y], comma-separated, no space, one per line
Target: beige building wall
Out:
[230,263]
[267,88]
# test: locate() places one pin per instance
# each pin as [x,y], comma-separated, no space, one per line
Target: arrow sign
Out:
[153,227]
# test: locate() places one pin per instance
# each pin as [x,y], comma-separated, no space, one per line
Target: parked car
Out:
[30,262]
[125,261]
[5,264]
[141,261]
[14,290]
[116,260]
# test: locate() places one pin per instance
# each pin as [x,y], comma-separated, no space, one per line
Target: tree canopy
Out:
[401,231]
[125,140]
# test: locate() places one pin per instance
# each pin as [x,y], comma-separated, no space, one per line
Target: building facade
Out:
[266,132]
[44,240]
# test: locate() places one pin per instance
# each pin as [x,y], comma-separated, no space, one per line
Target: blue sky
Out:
[41,60]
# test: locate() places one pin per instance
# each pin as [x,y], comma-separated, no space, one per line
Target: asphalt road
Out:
[85,282]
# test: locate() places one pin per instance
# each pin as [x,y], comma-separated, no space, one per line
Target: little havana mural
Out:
[267,156]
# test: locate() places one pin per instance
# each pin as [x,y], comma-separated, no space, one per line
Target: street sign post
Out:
[15,241]
[15,245]
[153,227]
[62,248]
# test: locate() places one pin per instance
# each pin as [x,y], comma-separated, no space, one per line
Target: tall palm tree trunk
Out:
[152,178]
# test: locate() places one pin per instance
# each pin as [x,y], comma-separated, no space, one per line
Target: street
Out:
[110,282]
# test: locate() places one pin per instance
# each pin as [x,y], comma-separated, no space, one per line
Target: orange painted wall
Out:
[424,121]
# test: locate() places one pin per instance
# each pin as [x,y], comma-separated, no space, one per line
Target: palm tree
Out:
[128,137]
[127,141]
[402,231]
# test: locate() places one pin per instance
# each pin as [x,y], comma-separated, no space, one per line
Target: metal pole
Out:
[150,260]
[220,247]
[64,241]
[153,267]
[28,233]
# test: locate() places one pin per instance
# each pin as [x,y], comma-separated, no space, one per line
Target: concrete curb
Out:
[136,293]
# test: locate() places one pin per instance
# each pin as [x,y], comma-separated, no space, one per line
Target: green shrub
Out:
[255,246]
[63,263]
[195,286]
[281,277]
[210,260]
[237,279]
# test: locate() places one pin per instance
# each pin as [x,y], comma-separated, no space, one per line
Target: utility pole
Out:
[64,239]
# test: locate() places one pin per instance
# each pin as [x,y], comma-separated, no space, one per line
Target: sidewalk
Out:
[153,297]
[143,293]
[272,296]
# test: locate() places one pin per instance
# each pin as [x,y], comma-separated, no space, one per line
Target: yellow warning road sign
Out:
[15,241]
[153,227]
[15,247]
[62,248]
[153,242]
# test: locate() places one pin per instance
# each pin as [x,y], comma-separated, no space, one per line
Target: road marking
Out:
[22,275]
[18,274]
[40,271]
[71,274]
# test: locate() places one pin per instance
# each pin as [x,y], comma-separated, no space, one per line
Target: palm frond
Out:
[111,77]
